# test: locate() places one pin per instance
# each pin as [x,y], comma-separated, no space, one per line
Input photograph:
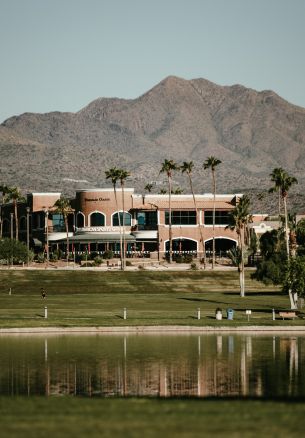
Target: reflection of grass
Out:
[80,417]
[152,298]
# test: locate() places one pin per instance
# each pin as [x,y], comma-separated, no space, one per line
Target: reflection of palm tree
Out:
[168,166]
[211,163]
[63,207]
[187,167]
[239,219]
[114,174]
[123,175]
[13,195]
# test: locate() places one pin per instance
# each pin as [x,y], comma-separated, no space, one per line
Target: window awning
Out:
[102,237]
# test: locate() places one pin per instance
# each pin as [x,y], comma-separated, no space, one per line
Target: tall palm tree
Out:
[3,191]
[285,183]
[168,167]
[239,219]
[212,163]
[114,175]
[123,175]
[187,167]
[63,207]
[276,177]
[13,195]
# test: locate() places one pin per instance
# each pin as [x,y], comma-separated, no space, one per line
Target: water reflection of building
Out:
[199,367]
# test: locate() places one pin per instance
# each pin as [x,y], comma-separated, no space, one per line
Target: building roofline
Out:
[110,189]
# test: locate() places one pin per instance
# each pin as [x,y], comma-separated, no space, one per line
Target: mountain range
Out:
[250,131]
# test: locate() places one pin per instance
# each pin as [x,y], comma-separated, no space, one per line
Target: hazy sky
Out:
[62,54]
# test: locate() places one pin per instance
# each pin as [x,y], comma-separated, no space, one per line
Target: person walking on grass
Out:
[43,293]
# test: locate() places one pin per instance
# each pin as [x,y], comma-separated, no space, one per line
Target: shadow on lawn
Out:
[257,294]
[201,300]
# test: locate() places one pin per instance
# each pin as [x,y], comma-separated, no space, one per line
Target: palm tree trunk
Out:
[123,245]
[242,266]
[16,219]
[286,227]
[1,223]
[199,224]
[120,228]
[214,208]
[170,219]
[67,232]
[279,200]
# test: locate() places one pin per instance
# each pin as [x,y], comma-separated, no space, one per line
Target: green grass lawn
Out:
[82,417]
[89,298]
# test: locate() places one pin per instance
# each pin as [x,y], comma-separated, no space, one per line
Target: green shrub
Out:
[53,257]
[98,261]
[12,250]
[108,254]
[193,266]
[128,263]
[40,257]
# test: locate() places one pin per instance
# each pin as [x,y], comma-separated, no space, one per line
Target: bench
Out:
[288,314]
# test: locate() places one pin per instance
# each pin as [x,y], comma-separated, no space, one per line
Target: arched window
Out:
[115,219]
[22,223]
[97,219]
[80,220]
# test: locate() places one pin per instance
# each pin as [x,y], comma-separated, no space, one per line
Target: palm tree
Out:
[276,177]
[187,167]
[168,167]
[123,175]
[211,163]
[285,182]
[13,195]
[149,187]
[114,175]
[3,191]
[63,207]
[239,219]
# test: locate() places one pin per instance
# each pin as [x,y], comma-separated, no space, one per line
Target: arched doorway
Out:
[182,245]
[222,246]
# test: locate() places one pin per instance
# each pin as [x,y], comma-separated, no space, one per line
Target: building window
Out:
[181,217]
[115,219]
[97,220]
[80,220]
[147,220]
[222,217]
[58,222]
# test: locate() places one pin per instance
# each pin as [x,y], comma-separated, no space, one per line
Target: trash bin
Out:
[218,314]
[230,313]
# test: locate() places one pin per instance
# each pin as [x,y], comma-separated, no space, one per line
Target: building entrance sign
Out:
[96,199]
[98,229]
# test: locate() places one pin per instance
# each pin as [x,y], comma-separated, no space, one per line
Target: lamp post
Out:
[47,232]
[28,233]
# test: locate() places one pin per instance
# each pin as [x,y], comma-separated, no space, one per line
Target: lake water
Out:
[153,365]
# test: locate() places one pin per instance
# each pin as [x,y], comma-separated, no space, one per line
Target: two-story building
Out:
[100,218]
